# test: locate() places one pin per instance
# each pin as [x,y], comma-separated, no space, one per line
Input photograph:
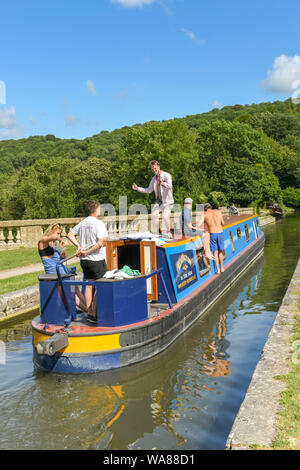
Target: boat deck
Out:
[229,220]
[155,311]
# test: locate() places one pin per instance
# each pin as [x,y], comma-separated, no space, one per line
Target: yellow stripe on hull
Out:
[84,344]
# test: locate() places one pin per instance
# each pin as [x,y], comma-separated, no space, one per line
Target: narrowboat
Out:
[276,211]
[140,316]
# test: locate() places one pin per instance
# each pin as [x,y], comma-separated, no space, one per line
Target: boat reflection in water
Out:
[156,398]
[171,401]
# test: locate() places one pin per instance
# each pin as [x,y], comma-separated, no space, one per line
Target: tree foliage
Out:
[243,154]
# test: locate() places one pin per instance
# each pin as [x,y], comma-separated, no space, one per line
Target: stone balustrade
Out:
[27,233]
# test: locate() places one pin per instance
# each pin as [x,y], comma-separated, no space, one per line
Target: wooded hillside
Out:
[244,154]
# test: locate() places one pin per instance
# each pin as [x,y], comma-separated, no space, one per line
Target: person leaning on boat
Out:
[51,256]
[187,226]
[161,184]
[92,233]
[214,221]
[233,210]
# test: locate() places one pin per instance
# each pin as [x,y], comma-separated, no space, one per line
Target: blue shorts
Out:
[216,241]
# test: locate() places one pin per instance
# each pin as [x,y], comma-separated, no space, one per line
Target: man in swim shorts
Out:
[214,221]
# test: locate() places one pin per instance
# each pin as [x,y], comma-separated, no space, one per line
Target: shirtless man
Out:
[214,221]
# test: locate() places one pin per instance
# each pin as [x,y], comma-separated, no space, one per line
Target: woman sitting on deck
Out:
[51,256]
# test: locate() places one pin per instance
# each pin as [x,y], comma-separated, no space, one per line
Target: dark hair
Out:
[207,206]
[153,162]
[92,206]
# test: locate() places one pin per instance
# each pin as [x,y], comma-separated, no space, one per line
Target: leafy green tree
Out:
[276,125]
[92,180]
[45,190]
[217,199]
[291,197]
[173,145]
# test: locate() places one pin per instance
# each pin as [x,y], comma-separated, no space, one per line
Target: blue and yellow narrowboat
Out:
[140,316]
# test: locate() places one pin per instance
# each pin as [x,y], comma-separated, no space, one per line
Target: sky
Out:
[74,68]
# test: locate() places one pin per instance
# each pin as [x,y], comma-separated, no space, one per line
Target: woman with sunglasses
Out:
[51,250]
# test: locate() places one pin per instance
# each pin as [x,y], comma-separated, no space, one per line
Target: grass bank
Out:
[23,257]
[288,419]
[24,280]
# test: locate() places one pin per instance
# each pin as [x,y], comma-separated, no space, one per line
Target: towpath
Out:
[30,268]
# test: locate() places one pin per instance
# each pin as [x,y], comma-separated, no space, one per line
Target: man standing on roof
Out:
[161,184]
[214,221]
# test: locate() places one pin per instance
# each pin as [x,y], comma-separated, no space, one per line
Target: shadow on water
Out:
[184,398]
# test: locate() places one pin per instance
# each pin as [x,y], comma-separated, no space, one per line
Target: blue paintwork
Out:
[122,302]
[182,262]
[125,301]
[53,307]
[77,364]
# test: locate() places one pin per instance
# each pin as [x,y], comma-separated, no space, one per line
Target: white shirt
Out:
[166,191]
[90,230]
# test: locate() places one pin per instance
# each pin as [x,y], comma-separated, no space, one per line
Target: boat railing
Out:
[62,282]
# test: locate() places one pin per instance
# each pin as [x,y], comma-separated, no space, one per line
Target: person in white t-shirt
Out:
[92,233]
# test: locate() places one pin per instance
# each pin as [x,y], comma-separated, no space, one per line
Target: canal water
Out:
[184,399]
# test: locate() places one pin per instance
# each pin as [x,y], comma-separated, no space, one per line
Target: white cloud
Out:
[284,74]
[90,87]
[133,3]
[13,133]
[122,94]
[217,104]
[192,36]
[71,120]
[8,117]
[11,129]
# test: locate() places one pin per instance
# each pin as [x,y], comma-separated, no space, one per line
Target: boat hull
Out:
[132,344]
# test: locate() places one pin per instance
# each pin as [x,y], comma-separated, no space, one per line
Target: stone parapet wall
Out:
[27,233]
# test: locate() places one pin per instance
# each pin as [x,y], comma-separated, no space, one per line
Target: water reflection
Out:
[184,398]
[155,404]
[216,365]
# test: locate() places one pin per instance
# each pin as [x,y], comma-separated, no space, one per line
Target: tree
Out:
[45,190]
[173,145]
[92,181]
[235,158]
[291,197]
[276,125]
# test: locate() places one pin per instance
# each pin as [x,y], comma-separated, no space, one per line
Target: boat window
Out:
[247,232]
[238,232]
[232,242]
[257,225]
[254,226]
[203,262]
